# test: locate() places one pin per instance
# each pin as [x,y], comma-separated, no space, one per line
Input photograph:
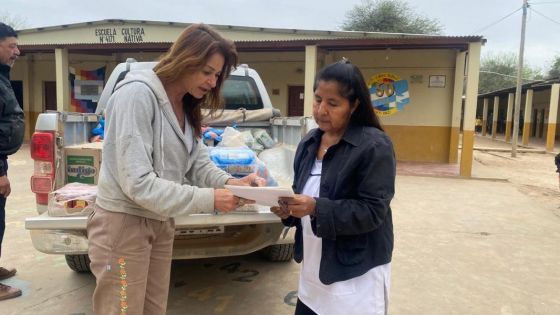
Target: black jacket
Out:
[12,123]
[353,213]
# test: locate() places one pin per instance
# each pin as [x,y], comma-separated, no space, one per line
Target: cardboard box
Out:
[83,163]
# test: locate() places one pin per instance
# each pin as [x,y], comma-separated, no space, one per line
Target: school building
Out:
[417,82]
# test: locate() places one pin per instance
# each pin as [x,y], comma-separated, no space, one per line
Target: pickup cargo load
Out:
[62,154]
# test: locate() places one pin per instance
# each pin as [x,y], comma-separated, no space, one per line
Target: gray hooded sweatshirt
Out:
[150,168]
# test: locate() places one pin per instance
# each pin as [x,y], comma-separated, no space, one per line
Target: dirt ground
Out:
[532,173]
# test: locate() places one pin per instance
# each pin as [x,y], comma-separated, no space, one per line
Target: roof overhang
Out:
[539,85]
[247,39]
[459,43]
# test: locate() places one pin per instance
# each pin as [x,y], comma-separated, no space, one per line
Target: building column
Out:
[62,81]
[527,117]
[511,97]
[111,64]
[552,116]
[473,69]
[484,116]
[310,71]
[495,116]
[456,111]
[30,115]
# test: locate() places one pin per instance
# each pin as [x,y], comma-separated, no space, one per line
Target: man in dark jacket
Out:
[11,137]
[557,162]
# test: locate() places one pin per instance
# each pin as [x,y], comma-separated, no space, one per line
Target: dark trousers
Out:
[2,220]
[302,309]
[3,212]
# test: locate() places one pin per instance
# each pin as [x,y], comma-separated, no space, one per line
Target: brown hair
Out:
[190,53]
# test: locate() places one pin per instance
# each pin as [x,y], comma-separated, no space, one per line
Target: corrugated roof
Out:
[402,42]
[336,40]
[279,45]
[534,85]
[333,34]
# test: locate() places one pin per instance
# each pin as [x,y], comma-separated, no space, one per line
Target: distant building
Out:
[538,110]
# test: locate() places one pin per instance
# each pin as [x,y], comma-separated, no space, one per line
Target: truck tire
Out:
[279,252]
[78,263]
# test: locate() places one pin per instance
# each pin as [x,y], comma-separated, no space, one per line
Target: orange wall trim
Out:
[508,131]
[550,135]
[454,145]
[420,143]
[465,169]
[526,131]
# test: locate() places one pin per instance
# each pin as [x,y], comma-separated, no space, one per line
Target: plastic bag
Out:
[279,161]
[240,162]
[232,138]
[98,133]
[257,147]
[263,138]
[72,199]
[237,161]
[211,135]
[248,138]
[262,171]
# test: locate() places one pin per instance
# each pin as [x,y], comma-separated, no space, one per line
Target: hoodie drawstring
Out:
[162,138]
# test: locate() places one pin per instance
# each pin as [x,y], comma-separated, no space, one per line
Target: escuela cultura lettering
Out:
[105,31]
[130,34]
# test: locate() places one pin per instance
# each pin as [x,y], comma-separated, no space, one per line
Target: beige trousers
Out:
[131,261]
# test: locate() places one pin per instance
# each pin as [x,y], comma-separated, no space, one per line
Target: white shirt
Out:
[366,294]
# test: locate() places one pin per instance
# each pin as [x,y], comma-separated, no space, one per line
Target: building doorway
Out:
[50,95]
[295,100]
[541,125]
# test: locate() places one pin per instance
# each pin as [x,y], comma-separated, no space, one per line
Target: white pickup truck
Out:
[197,235]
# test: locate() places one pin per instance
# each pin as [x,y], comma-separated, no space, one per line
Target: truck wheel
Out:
[78,263]
[279,252]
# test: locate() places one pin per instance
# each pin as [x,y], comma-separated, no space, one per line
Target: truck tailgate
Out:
[45,222]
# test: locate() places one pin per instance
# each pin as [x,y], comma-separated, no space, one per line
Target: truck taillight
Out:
[42,199]
[42,152]
[41,184]
[42,146]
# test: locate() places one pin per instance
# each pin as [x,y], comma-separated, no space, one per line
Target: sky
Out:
[459,18]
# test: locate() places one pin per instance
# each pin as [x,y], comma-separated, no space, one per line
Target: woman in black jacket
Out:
[344,182]
[557,162]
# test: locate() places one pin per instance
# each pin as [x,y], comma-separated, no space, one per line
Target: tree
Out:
[16,22]
[499,71]
[554,71]
[391,16]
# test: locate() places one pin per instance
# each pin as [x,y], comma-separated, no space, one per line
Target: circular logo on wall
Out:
[389,94]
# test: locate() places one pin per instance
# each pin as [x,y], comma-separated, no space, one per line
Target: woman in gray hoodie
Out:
[155,168]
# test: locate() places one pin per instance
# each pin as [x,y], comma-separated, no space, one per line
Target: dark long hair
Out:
[189,54]
[352,86]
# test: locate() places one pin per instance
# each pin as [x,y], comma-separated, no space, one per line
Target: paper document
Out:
[266,196]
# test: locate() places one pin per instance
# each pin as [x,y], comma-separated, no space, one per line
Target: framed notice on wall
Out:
[88,89]
[437,81]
